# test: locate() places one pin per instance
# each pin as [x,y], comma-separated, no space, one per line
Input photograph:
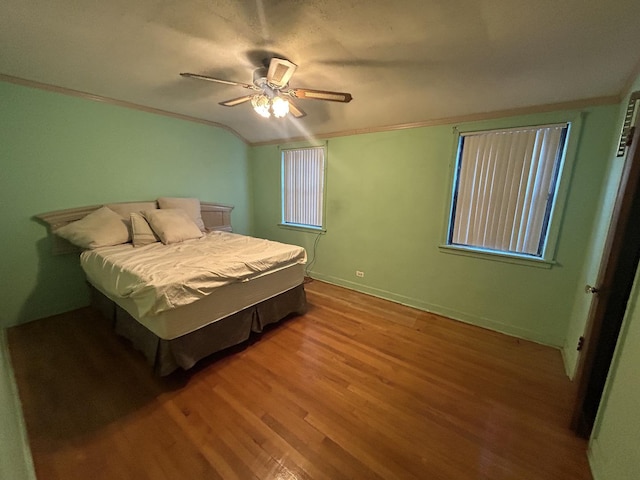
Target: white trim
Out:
[303,228]
[467,133]
[546,109]
[456,315]
[473,117]
[497,256]
[120,103]
[574,121]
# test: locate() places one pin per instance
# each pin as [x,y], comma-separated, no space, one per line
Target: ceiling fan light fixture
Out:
[279,107]
[265,106]
[261,104]
[270,92]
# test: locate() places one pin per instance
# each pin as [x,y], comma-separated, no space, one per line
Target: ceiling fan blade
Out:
[217,80]
[236,101]
[280,72]
[295,110]
[321,95]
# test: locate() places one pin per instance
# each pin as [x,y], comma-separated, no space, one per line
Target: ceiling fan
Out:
[271,92]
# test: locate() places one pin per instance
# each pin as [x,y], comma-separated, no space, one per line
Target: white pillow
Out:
[172,225]
[141,232]
[101,228]
[189,205]
[125,209]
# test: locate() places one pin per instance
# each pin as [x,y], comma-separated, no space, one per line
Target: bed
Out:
[180,297]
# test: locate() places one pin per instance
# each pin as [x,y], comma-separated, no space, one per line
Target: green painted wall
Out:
[60,152]
[614,449]
[386,204]
[591,266]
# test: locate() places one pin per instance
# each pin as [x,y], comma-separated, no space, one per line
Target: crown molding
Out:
[112,101]
[551,107]
[572,105]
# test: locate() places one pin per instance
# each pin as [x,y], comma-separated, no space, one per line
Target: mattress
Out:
[175,289]
[221,303]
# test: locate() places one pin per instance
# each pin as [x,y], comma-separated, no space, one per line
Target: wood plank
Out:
[358,387]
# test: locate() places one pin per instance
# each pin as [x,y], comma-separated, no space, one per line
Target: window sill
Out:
[497,256]
[302,228]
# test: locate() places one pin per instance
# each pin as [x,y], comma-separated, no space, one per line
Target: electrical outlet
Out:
[359,274]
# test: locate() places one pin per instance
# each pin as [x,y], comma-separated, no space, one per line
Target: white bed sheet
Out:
[221,303]
[157,278]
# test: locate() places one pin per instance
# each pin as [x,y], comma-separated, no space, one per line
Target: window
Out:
[303,186]
[505,187]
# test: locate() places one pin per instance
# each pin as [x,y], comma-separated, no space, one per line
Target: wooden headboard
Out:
[215,216]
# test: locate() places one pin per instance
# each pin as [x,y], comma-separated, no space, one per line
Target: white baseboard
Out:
[487,323]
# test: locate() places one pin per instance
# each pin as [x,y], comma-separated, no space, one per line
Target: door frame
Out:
[613,287]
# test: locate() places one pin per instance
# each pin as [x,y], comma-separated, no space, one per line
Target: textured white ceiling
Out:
[404,61]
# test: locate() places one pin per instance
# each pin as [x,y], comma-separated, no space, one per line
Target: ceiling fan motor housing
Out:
[260,77]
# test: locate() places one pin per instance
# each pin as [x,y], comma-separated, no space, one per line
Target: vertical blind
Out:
[505,188]
[303,184]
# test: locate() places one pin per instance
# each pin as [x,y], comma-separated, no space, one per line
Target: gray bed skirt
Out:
[165,356]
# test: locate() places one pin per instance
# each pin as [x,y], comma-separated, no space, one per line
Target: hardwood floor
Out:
[357,388]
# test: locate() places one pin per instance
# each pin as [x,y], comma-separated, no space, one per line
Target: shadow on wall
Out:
[60,284]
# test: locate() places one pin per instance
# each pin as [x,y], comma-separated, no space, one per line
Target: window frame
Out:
[298,226]
[547,259]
